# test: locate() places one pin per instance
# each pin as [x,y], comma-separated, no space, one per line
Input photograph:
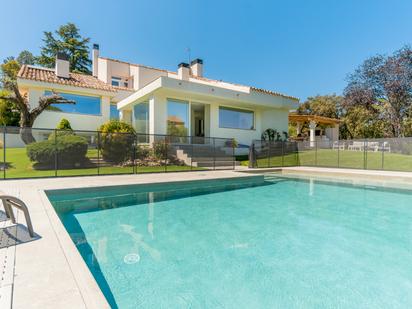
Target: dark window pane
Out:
[84,104]
[114,112]
[236,118]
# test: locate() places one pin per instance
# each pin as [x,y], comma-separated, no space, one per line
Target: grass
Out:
[343,158]
[19,166]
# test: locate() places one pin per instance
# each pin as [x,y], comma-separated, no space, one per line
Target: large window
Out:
[141,117]
[114,112]
[236,118]
[177,118]
[84,104]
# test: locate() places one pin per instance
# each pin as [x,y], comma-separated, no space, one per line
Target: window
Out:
[116,81]
[141,117]
[177,118]
[236,118]
[84,104]
[114,112]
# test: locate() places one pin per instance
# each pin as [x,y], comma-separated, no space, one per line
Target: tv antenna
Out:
[188,50]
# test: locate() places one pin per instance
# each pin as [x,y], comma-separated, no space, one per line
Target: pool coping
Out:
[85,289]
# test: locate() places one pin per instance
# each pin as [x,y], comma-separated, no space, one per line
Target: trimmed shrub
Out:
[71,149]
[116,141]
[64,125]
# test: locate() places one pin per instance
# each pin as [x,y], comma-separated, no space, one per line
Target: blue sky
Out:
[298,47]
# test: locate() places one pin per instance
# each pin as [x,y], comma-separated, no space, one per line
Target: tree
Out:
[9,115]
[382,85]
[12,94]
[322,105]
[66,39]
[26,57]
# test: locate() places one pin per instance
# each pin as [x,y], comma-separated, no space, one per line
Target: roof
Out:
[318,119]
[255,89]
[76,79]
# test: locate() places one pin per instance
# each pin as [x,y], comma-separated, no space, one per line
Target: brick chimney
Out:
[183,71]
[196,67]
[62,67]
[95,59]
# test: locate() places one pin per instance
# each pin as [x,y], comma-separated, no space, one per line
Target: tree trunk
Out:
[27,135]
[26,124]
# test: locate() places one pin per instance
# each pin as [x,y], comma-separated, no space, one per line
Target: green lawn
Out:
[343,158]
[19,166]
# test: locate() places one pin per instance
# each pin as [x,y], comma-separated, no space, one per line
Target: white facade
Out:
[206,100]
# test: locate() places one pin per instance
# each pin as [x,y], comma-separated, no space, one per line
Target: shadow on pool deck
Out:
[14,234]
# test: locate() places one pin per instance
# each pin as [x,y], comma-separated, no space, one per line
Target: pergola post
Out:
[298,128]
[312,127]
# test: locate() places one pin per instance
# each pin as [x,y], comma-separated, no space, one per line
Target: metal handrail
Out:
[12,201]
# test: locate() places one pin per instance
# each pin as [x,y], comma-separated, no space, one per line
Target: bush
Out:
[64,125]
[71,149]
[116,141]
[160,149]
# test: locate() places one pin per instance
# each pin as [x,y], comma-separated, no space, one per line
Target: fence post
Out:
[383,154]
[269,152]
[283,152]
[55,153]
[233,154]
[98,153]
[365,155]
[191,157]
[4,152]
[338,153]
[214,154]
[166,151]
[134,153]
[316,153]
[251,150]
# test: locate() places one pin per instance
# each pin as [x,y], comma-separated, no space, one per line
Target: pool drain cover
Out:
[131,258]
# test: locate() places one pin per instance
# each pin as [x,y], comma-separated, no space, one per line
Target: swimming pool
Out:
[278,242]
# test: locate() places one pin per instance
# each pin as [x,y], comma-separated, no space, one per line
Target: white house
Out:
[156,101]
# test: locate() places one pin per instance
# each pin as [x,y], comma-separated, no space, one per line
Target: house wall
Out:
[50,119]
[275,118]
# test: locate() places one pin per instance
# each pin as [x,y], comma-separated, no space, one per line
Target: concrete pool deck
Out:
[48,271]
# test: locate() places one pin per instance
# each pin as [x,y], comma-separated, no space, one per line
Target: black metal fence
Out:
[37,152]
[393,154]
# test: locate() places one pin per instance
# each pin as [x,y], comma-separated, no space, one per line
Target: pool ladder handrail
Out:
[12,201]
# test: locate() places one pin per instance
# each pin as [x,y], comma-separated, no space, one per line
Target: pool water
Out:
[273,243]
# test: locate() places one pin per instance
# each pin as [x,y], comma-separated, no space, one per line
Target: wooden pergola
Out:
[308,118]
[314,121]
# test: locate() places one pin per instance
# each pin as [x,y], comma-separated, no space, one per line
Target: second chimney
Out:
[196,67]
[62,67]
[95,59]
[183,71]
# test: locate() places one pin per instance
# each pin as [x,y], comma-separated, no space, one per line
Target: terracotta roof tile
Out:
[273,93]
[75,79]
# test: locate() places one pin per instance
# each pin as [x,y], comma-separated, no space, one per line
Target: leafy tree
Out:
[12,94]
[382,85]
[322,105]
[9,115]
[66,39]
[26,57]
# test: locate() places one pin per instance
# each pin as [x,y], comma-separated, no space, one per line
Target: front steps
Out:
[204,155]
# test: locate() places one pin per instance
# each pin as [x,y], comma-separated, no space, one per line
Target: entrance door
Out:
[198,123]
